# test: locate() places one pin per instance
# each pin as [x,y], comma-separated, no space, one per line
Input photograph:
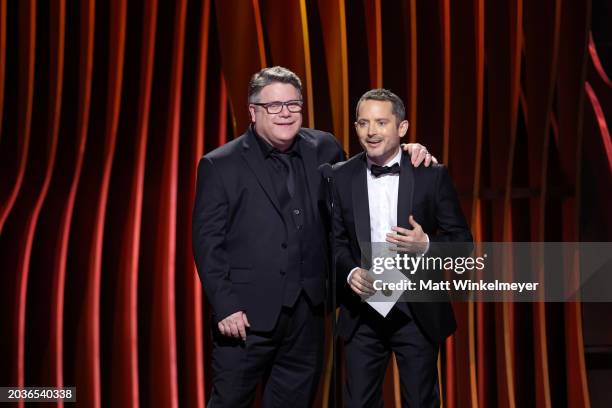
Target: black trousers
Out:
[287,361]
[367,357]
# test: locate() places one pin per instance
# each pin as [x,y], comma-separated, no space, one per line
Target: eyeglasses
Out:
[276,107]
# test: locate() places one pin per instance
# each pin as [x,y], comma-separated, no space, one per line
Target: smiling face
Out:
[378,130]
[278,129]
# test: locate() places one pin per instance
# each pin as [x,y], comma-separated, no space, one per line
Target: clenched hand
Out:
[234,325]
[361,283]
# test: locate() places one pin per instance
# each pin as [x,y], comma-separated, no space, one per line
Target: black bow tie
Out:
[378,171]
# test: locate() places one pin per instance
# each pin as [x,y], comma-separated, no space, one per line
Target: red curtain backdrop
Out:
[106,107]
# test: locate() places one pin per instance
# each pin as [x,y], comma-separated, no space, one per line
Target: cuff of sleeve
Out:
[348,279]
[427,247]
[227,308]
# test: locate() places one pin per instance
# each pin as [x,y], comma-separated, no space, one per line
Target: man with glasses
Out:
[259,243]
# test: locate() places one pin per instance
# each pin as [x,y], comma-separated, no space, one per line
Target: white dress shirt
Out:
[382,200]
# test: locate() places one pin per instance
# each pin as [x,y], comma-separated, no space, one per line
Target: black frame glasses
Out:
[294,106]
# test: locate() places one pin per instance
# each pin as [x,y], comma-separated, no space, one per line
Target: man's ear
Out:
[252,113]
[403,128]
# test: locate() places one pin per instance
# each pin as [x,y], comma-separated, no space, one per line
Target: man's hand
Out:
[412,241]
[234,325]
[418,153]
[361,283]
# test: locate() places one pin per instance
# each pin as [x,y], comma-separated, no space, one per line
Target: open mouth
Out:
[374,143]
[285,124]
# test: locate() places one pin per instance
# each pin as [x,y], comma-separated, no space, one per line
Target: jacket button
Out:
[284,245]
[296,212]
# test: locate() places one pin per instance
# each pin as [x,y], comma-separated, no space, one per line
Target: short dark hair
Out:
[268,76]
[381,94]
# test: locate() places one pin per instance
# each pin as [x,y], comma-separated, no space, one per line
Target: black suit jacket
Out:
[425,192]
[239,234]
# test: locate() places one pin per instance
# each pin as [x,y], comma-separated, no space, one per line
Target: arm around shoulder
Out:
[453,231]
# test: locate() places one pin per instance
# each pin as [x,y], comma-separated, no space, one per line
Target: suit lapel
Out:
[361,206]
[405,193]
[313,177]
[255,160]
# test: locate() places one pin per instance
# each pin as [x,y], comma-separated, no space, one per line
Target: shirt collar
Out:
[267,149]
[396,159]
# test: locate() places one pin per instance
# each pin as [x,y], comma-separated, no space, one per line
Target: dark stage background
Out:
[106,107]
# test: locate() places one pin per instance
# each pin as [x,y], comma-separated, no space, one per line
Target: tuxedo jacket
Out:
[240,235]
[425,192]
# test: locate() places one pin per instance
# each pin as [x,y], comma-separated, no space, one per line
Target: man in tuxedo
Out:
[382,198]
[259,242]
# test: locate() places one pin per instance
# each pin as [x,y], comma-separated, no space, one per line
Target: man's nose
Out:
[285,111]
